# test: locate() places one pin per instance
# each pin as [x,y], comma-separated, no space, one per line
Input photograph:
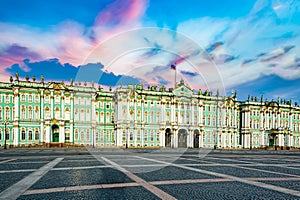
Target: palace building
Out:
[45,114]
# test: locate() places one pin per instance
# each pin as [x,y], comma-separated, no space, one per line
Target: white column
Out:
[192,119]
[142,134]
[47,139]
[200,114]
[161,138]
[191,141]
[201,140]
[61,132]
[16,118]
[175,139]
[71,132]
[291,121]
[228,135]
[51,104]
[62,106]
[16,135]
[267,125]
[119,137]
[280,139]
[262,137]
[235,140]
[72,118]
[223,113]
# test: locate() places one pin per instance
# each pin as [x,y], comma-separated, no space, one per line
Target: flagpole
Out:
[175,77]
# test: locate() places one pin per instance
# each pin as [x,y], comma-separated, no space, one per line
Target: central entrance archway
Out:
[182,138]
[168,137]
[196,138]
[55,133]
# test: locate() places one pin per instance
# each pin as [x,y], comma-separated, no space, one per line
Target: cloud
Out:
[53,69]
[188,73]
[16,54]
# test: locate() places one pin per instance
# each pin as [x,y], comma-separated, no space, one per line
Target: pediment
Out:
[183,91]
[57,86]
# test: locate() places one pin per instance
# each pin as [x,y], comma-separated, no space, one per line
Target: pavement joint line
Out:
[266,171]
[158,192]
[262,170]
[16,171]
[34,162]
[242,180]
[82,167]
[227,159]
[135,184]
[6,161]
[17,189]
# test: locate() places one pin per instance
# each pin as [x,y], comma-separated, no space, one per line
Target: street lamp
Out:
[5,123]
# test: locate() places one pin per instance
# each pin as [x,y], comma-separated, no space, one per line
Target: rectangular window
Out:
[7,98]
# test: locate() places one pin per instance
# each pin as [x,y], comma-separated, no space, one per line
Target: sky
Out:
[251,46]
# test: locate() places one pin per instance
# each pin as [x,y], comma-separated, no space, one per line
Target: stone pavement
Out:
[148,174]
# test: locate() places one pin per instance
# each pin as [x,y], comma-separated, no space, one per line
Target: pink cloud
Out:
[120,12]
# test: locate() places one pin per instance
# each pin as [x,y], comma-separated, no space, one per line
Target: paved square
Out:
[148,174]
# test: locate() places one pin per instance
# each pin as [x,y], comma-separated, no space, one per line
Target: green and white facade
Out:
[51,113]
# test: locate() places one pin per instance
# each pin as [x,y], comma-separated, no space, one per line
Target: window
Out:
[23,116]
[23,135]
[36,98]
[7,113]
[30,113]
[67,114]
[36,113]
[0,113]
[67,135]
[76,134]
[30,98]
[57,112]
[7,134]
[23,97]
[47,112]
[37,135]
[47,98]
[107,106]
[7,98]
[30,135]
[57,98]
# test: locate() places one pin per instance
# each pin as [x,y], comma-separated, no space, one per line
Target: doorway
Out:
[182,138]
[196,138]
[55,133]
[168,137]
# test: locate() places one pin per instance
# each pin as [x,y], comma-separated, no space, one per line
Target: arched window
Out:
[67,114]
[30,135]
[67,135]
[36,113]
[36,135]
[30,98]
[30,113]
[23,134]
[23,97]
[0,113]
[76,134]
[7,113]
[47,112]
[57,112]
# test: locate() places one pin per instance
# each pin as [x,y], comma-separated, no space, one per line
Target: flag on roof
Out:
[173,67]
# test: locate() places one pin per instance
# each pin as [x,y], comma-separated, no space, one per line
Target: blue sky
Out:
[249,46]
